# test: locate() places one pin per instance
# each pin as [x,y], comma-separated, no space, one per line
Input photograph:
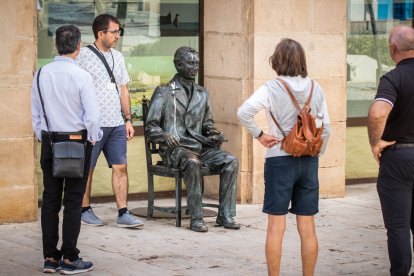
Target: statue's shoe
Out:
[198,225]
[227,222]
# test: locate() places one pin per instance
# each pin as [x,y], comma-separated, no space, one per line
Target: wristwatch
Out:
[128,119]
[260,135]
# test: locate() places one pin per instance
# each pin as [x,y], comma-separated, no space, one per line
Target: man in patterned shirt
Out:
[114,101]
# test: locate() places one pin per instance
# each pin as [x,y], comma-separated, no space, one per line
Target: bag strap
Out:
[102,58]
[293,97]
[277,124]
[43,105]
[294,102]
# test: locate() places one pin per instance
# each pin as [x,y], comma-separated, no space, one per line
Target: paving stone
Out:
[352,241]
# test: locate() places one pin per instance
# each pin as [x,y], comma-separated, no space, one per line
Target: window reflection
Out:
[369,25]
[151,32]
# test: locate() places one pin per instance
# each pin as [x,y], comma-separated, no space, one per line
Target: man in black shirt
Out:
[391,135]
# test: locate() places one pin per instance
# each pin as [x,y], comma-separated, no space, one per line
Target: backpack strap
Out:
[277,124]
[307,104]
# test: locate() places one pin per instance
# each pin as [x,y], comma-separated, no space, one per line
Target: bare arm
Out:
[126,110]
[377,117]
[268,140]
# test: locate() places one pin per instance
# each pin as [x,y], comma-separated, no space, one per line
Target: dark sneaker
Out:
[51,266]
[89,218]
[128,221]
[76,267]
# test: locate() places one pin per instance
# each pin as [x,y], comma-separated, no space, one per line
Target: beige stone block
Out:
[18,189]
[245,151]
[18,62]
[280,16]
[257,83]
[265,45]
[18,204]
[336,148]
[334,89]
[259,152]
[20,18]
[220,90]
[230,16]
[329,16]
[15,106]
[326,55]
[224,56]
[252,184]
[258,183]
[244,187]
[332,182]
[234,135]
[211,186]
[17,161]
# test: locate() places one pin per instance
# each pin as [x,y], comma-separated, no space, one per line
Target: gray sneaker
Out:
[89,218]
[127,220]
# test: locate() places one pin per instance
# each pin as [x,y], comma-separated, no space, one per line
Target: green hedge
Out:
[364,45]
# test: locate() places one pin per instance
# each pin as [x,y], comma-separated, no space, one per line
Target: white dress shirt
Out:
[69,100]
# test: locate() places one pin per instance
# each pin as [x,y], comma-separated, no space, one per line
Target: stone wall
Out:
[18,182]
[239,37]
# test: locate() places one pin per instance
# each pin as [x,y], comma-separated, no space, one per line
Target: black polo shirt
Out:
[397,88]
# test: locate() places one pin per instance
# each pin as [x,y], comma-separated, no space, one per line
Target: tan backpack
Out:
[305,138]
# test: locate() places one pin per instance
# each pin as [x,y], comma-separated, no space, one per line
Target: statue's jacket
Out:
[171,111]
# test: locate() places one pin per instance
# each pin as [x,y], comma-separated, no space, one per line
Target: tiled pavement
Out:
[351,235]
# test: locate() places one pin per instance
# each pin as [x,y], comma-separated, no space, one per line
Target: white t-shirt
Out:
[108,97]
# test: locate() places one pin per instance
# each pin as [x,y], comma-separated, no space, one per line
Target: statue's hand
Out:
[216,136]
[171,140]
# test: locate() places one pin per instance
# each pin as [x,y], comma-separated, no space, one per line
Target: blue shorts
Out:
[113,145]
[292,180]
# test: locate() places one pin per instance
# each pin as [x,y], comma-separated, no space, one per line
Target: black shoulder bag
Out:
[68,156]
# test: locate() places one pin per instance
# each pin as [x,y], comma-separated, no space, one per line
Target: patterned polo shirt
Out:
[108,99]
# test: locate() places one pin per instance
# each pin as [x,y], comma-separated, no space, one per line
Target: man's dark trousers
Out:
[73,189]
[395,190]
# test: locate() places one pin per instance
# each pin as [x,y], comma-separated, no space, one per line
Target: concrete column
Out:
[239,38]
[18,179]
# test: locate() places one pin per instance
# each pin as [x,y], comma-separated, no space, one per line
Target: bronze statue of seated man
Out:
[180,120]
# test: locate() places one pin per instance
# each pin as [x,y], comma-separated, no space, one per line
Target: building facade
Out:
[235,38]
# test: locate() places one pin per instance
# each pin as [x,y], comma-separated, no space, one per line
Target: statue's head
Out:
[187,61]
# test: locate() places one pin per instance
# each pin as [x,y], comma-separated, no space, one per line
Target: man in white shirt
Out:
[72,113]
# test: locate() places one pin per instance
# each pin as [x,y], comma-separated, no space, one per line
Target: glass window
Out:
[151,32]
[369,25]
